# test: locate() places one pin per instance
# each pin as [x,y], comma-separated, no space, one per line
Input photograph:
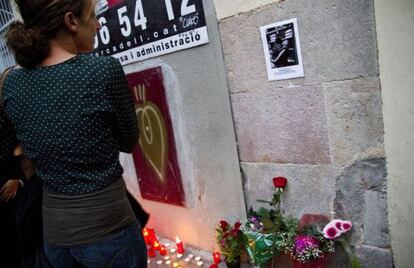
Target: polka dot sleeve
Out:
[121,101]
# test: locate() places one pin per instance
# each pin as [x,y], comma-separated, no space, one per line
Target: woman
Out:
[73,114]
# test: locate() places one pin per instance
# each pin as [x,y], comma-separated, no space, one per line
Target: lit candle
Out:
[180,246]
[216,257]
[168,262]
[145,234]
[200,263]
[163,250]
[176,264]
[179,256]
[151,236]
[173,250]
[187,259]
[151,252]
[166,258]
[156,245]
[191,256]
[198,258]
[159,262]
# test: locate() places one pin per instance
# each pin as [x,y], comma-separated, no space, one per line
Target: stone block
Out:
[337,39]
[354,116]
[351,185]
[374,257]
[282,126]
[310,189]
[376,231]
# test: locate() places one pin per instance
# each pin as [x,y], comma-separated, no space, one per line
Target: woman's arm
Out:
[121,101]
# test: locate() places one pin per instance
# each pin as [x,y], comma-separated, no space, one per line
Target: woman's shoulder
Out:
[101,60]
[100,66]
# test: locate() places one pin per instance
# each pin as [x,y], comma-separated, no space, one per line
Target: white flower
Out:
[336,227]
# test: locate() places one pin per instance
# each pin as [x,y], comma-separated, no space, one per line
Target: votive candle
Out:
[156,245]
[151,252]
[216,257]
[163,250]
[180,246]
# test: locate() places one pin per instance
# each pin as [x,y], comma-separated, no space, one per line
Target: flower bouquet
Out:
[263,229]
[230,241]
[334,231]
[308,249]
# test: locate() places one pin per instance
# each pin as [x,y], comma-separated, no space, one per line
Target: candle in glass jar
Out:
[151,236]
[156,245]
[163,250]
[151,252]
[145,234]
[180,246]
[216,257]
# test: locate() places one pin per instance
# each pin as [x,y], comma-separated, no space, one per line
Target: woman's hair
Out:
[42,20]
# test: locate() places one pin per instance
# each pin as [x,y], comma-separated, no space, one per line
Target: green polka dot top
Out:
[72,119]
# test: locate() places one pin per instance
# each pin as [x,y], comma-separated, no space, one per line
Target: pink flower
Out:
[330,231]
[335,228]
[346,226]
[338,225]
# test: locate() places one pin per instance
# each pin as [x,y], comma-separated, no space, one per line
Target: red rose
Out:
[223,225]
[237,225]
[279,182]
[234,232]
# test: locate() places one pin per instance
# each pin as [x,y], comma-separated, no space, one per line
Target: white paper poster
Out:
[282,51]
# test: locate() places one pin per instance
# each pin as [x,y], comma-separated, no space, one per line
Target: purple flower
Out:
[253,220]
[255,224]
[304,242]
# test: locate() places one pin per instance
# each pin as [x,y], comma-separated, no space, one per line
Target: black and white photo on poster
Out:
[135,30]
[281,46]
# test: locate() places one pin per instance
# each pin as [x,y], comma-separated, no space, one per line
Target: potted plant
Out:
[230,241]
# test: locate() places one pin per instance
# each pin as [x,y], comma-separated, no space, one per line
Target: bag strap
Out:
[2,78]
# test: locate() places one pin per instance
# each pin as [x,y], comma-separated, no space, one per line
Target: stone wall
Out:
[324,132]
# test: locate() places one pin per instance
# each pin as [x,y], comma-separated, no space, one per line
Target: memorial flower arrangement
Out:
[267,233]
[264,229]
[307,248]
[230,241]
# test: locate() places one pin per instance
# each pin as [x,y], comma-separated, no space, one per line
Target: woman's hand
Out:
[9,190]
